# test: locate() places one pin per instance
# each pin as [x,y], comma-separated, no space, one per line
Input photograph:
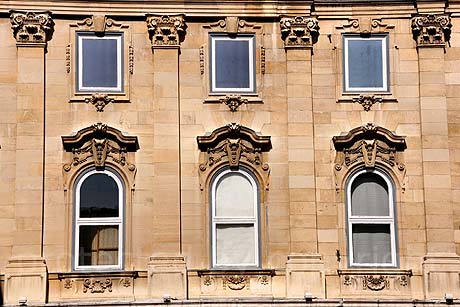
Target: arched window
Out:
[235,219]
[99,214]
[371,222]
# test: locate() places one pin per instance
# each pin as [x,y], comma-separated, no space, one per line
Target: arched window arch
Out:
[99,197]
[235,219]
[371,219]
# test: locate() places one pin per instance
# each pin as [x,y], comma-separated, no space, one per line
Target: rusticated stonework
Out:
[367,101]
[31,27]
[299,31]
[232,145]
[387,282]
[99,101]
[98,145]
[369,146]
[165,31]
[431,29]
[233,102]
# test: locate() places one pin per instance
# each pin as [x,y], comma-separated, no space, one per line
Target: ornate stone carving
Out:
[67,58]
[99,101]
[368,146]
[97,286]
[131,60]
[365,25]
[100,143]
[367,101]
[202,60]
[68,283]
[366,280]
[100,24]
[375,283]
[431,29]
[125,282]
[299,31]
[31,27]
[231,25]
[165,31]
[264,280]
[236,282]
[262,60]
[233,145]
[233,102]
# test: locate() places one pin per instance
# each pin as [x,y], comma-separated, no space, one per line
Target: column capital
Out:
[32,28]
[431,30]
[299,31]
[166,31]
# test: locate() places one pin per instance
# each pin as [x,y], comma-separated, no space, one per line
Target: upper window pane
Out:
[369,196]
[232,63]
[234,196]
[99,197]
[99,62]
[366,65]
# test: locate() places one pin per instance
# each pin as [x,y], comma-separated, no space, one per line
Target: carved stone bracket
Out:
[353,281]
[99,101]
[299,31]
[233,102]
[233,145]
[231,25]
[364,25]
[100,144]
[367,101]
[369,146]
[32,27]
[100,24]
[431,30]
[165,30]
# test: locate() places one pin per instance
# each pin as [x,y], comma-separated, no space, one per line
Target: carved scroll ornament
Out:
[431,30]
[369,146]
[233,102]
[365,25]
[97,286]
[99,101]
[367,101]
[299,31]
[32,27]
[165,31]
[367,280]
[99,144]
[233,145]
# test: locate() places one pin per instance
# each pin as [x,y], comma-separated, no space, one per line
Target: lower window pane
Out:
[235,244]
[98,245]
[371,243]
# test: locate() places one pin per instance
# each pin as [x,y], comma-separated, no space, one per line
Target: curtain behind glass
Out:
[234,196]
[369,196]
[371,243]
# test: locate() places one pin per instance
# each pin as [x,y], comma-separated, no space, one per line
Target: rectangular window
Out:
[99,62]
[232,63]
[365,63]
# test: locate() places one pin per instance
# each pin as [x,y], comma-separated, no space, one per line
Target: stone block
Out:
[305,273]
[167,275]
[441,274]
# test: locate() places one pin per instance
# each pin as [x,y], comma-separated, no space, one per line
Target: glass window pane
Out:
[235,244]
[365,65]
[369,196]
[371,243]
[232,63]
[98,245]
[99,197]
[234,196]
[100,64]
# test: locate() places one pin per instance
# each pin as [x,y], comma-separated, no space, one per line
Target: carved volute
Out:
[369,146]
[31,27]
[299,31]
[431,30]
[234,145]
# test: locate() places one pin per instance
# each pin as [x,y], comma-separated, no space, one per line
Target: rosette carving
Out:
[431,29]
[32,27]
[299,31]
[166,31]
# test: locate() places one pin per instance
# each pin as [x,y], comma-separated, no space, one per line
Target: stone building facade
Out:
[272,153]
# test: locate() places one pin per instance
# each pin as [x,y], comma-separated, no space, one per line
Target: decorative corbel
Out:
[99,101]
[299,31]
[367,101]
[233,102]
[431,30]
[166,31]
[32,27]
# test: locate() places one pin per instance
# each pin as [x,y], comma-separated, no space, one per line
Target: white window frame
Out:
[385,75]
[88,35]
[99,221]
[253,220]
[366,220]
[252,77]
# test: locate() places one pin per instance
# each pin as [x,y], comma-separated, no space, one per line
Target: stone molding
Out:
[431,30]
[299,31]
[31,27]
[98,145]
[364,25]
[166,31]
[233,145]
[368,146]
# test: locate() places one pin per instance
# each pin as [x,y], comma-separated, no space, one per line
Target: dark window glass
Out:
[99,63]
[98,245]
[232,64]
[369,196]
[365,65]
[99,197]
[371,243]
